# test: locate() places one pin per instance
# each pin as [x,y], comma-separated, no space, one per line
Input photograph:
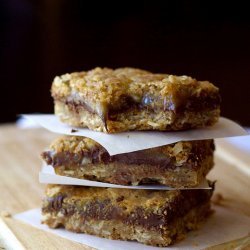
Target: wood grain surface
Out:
[20,189]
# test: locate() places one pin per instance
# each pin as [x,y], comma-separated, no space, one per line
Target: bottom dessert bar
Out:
[152,217]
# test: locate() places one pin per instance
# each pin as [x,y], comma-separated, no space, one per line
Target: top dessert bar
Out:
[126,99]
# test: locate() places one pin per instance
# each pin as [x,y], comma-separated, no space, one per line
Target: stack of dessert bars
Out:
[127,99]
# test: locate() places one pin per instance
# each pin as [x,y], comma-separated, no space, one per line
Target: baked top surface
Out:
[80,144]
[130,198]
[102,87]
[149,200]
[74,144]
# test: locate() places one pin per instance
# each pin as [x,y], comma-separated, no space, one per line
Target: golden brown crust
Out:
[79,144]
[109,97]
[104,85]
[74,144]
[131,198]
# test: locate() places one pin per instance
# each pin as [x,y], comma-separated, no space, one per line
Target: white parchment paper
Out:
[221,227]
[47,175]
[139,140]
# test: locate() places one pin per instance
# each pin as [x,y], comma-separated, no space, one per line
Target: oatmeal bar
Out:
[156,218]
[126,99]
[182,164]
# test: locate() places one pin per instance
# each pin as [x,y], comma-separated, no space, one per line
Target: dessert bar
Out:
[182,164]
[126,99]
[156,218]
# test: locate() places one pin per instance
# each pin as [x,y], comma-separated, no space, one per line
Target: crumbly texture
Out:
[125,99]
[148,216]
[182,164]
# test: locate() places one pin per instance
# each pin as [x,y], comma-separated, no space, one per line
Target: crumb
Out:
[128,136]
[217,199]
[5,214]
[74,130]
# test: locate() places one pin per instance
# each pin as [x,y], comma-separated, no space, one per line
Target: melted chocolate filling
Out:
[153,157]
[155,104]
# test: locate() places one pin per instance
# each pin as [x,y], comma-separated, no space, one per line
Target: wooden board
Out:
[20,190]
